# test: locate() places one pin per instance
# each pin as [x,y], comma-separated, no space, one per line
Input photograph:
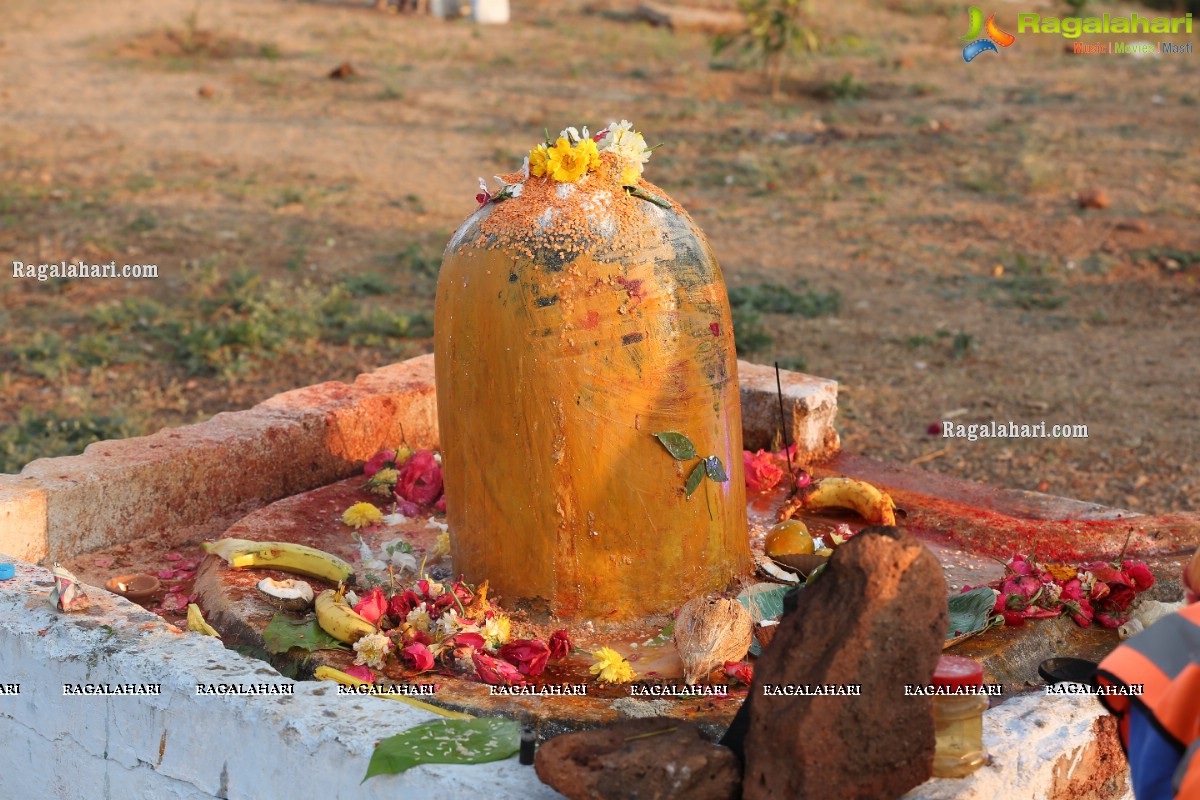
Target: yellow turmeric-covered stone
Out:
[574,322]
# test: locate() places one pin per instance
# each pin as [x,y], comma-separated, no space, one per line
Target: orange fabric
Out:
[1165,660]
[1187,778]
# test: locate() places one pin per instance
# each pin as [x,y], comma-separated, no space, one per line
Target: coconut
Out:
[709,632]
[287,595]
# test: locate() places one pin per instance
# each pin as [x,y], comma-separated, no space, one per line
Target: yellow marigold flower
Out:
[361,515]
[539,159]
[441,545]
[611,666]
[568,164]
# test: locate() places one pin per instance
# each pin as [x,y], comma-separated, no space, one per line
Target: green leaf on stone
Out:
[970,612]
[764,600]
[693,481]
[283,633]
[715,469]
[446,741]
[679,446]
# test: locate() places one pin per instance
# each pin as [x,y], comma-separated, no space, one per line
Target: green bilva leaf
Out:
[971,612]
[764,600]
[693,481]
[679,446]
[446,741]
[715,469]
[283,633]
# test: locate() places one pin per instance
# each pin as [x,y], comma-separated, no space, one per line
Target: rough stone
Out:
[632,760]
[811,403]
[205,476]
[1042,748]
[877,618]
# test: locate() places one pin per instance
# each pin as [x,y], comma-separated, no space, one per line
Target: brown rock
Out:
[1093,198]
[206,91]
[1132,226]
[877,617]
[625,761]
[343,71]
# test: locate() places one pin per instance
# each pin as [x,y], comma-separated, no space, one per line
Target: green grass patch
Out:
[773,298]
[58,434]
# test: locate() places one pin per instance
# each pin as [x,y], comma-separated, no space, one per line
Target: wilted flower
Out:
[441,545]
[360,672]
[497,630]
[402,603]
[419,480]
[1119,598]
[1140,576]
[417,657]
[762,470]
[740,671]
[611,667]
[372,606]
[360,515]
[383,482]
[372,649]
[382,459]
[560,644]
[419,618]
[527,655]
[495,671]
[431,589]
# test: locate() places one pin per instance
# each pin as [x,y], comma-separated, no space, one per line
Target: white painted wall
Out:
[314,744]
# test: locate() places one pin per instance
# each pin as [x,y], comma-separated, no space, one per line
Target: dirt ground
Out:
[297,220]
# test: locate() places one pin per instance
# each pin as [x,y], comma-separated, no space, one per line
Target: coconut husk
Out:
[709,632]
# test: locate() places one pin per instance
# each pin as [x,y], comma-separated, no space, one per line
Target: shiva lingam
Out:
[587,390]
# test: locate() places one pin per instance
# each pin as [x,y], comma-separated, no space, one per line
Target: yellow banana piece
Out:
[331,674]
[197,623]
[339,620]
[870,503]
[286,556]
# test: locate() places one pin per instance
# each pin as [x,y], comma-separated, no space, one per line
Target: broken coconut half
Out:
[286,595]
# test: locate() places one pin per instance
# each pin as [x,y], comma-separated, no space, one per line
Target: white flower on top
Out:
[573,136]
[629,147]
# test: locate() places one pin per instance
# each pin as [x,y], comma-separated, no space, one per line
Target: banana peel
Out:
[286,556]
[196,622]
[869,502]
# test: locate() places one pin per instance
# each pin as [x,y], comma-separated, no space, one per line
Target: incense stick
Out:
[787,448]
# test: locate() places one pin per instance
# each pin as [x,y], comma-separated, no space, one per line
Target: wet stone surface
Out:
[1010,655]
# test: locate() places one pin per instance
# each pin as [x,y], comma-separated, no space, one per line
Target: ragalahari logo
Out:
[995,36]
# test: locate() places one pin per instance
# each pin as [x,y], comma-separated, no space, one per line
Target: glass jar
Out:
[958,718]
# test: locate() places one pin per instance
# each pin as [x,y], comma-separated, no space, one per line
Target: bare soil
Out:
[938,198]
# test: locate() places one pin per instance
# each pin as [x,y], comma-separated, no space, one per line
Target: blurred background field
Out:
[891,217]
